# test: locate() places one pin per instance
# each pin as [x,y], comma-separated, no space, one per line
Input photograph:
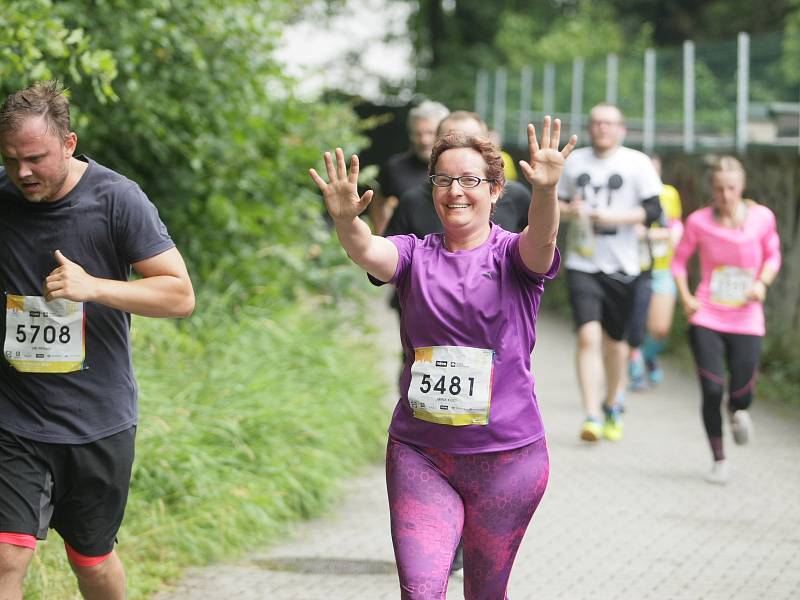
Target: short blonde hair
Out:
[725,164]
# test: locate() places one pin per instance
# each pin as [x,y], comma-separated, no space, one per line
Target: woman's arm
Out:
[686,247]
[376,255]
[537,242]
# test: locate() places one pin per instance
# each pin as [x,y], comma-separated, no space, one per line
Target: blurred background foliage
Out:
[185,98]
[454,38]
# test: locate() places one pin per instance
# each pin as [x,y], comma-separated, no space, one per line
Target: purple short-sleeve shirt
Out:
[480,298]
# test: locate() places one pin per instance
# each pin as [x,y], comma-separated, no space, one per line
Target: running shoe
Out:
[591,431]
[654,371]
[741,427]
[612,428]
[720,472]
[636,371]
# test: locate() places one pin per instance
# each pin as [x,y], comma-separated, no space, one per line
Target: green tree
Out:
[201,115]
[51,47]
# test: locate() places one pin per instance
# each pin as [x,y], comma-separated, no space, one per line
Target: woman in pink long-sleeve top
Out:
[739,250]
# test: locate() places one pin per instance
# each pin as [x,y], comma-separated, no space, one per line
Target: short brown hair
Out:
[44,98]
[483,146]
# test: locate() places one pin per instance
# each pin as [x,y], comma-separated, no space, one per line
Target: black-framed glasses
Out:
[465,181]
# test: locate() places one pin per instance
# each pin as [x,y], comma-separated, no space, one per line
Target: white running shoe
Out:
[720,473]
[741,427]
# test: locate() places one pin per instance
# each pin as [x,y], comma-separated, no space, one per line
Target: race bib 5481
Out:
[451,385]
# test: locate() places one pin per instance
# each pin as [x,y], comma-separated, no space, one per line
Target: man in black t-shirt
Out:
[408,169]
[71,231]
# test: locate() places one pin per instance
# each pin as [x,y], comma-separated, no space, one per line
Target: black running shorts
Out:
[604,298]
[80,490]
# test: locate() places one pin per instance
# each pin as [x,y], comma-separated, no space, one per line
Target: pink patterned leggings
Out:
[435,498]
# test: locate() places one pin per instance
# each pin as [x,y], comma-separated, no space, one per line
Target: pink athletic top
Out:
[747,249]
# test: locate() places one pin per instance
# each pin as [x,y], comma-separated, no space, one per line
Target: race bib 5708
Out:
[44,337]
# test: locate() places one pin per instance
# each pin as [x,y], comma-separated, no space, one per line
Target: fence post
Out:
[649,125]
[549,89]
[688,96]
[612,78]
[525,93]
[576,104]
[482,93]
[499,125]
[742,91]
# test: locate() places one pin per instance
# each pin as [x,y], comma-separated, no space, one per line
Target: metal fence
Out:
[698,97]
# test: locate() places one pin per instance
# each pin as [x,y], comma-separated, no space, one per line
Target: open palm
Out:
[341,191]
[546,161]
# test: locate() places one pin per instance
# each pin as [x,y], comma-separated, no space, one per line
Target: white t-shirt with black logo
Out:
[618,182]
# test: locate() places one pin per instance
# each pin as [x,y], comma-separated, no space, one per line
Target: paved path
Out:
[628,520]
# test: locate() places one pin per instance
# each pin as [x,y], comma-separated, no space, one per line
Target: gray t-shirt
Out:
[105,223]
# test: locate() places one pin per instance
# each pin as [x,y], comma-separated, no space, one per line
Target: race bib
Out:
[44,337]
[730,284]
[451,385]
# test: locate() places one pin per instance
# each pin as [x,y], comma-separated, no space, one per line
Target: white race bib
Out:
[730,284]
[44,337]
[451,385]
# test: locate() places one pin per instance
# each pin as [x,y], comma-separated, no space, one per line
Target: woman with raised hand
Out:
[739,248]
[466,451]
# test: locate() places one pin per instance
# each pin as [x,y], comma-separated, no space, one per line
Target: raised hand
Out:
[341,192]
[546,161]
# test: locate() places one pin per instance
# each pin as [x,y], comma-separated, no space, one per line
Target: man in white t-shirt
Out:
[606,190]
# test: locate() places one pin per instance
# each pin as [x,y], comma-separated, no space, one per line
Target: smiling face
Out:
[37,160]
[463,211]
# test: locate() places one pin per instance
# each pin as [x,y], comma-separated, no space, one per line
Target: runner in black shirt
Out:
[71,231]
[408,169]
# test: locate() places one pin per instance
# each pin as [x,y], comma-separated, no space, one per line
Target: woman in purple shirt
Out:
[466,452]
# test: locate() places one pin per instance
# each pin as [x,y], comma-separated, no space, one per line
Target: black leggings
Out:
[643,291]
[712,350]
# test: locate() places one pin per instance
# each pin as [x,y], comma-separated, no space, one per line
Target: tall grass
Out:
[248,421]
